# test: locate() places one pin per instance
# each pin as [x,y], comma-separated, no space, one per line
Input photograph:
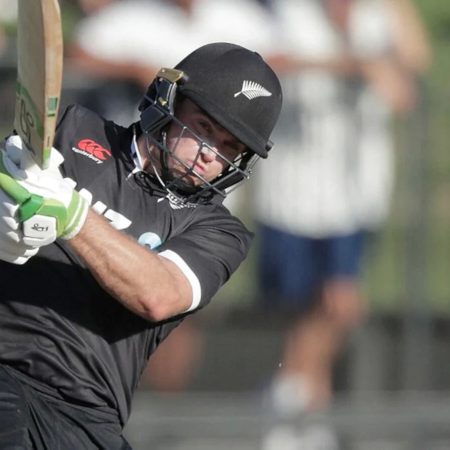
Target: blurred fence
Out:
[236,422]
[403,349]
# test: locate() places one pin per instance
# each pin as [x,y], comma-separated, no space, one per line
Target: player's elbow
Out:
[159,307]
[166,296]
[153,312]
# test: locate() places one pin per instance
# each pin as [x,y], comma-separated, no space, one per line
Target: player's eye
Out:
[231,152]
[204,128]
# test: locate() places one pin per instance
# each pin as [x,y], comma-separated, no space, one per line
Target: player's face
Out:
[202,148]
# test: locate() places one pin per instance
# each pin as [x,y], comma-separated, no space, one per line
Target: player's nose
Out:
[208,153]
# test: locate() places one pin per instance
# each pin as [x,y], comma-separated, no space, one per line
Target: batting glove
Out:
[48,206]
[12,247]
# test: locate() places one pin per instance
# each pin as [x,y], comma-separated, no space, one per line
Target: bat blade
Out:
[39,75]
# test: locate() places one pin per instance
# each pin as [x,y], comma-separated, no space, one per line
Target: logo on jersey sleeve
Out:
[92,150]
[150,240]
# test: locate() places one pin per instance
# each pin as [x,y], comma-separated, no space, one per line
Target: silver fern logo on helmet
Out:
[253,90]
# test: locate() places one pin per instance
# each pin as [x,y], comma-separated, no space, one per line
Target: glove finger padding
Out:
[14,148]
[49,207]
[16,252]
[7,232]
[9,211]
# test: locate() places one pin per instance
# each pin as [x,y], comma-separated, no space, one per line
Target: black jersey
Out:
[58,327]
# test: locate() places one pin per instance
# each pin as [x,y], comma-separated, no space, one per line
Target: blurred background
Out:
[373,373]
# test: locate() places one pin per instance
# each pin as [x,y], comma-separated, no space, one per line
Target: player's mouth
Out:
[198,167]
[191,173]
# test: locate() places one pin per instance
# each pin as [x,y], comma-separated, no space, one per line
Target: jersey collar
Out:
[136,156]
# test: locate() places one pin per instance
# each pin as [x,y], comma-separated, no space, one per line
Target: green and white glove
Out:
[47,205]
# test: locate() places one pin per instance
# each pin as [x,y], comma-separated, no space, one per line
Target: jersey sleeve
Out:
[208,253]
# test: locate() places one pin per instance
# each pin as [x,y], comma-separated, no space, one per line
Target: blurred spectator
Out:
[131,40]
[347,66]
[8,17]
[8,58]
[3,40]
[72,11]
[128,42]
[91,6]
[8,10]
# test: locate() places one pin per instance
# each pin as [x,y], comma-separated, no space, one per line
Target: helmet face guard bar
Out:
[157,112]
[236,172]
[158,107]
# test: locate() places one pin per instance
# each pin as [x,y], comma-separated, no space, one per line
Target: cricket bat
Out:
[39,75]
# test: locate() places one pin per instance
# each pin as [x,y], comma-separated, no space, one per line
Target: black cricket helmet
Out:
[236,88]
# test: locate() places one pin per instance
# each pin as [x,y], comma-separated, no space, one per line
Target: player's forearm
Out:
[147,284]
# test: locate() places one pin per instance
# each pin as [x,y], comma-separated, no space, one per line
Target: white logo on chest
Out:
[117,220]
